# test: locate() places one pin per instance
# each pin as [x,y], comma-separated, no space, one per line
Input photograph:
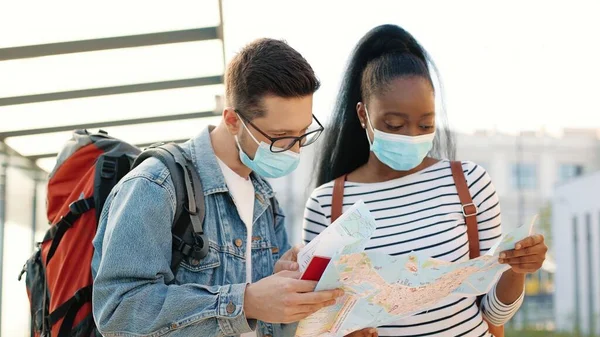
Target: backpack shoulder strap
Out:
[187,232]
[469,209]
[337,198]
[274,205]
[109,170]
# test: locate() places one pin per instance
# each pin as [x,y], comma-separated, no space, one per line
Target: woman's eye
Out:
[393,127]
[427,127]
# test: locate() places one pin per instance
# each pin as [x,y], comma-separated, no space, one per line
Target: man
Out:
[238,287]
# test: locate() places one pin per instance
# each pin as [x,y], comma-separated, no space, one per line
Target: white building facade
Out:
[576,231]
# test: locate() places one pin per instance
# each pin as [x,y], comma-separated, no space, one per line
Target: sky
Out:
[509,65]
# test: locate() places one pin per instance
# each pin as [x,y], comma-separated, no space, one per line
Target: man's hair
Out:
[267,67]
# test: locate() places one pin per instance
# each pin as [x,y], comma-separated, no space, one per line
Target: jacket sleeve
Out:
[130,295]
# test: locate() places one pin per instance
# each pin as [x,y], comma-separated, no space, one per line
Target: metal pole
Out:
[3,174]
[221,30]
[521,206]
[34,200]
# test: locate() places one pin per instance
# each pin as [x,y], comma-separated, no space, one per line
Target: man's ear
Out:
[232,120]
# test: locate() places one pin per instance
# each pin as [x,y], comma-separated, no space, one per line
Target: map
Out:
[348,234]
[381,288]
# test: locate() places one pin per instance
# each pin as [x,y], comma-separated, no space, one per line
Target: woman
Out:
[385,142]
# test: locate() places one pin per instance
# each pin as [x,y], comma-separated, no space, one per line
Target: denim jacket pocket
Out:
[200,271]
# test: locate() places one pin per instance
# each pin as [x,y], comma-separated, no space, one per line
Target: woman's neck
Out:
[374,171]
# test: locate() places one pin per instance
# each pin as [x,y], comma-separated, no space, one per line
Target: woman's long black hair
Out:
[383,54]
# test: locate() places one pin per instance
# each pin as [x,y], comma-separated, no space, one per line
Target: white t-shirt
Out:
[242,192]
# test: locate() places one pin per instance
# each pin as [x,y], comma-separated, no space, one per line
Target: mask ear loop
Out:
[248,130]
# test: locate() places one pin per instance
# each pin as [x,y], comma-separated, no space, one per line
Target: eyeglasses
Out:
[281,144]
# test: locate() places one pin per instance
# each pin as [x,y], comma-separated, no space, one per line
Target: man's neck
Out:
[227,150]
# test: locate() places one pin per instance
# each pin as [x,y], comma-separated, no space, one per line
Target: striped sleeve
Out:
[315,220]
[490,230]
[496,312]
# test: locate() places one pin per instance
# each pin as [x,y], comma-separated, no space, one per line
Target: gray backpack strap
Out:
[188,236]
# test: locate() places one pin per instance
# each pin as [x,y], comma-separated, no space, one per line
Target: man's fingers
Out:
[297,285]
[311,308]
[319,296]
[303,311]
[286,265]
[530,241]
[295,250]
[292,253]
[291,274]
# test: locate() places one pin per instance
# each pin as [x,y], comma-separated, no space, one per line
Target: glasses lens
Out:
[311,138]
[283,144]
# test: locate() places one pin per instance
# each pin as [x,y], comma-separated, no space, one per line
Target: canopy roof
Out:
[143,74]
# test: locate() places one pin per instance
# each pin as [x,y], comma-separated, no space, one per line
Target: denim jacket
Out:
[132,255]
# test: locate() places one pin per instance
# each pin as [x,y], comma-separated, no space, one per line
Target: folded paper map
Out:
[381,289]
[348,234]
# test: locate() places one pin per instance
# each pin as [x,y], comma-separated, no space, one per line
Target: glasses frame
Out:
[275,139]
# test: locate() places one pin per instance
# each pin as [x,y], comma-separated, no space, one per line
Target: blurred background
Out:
[520,83]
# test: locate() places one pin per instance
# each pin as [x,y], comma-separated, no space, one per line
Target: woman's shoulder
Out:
[322,193]
[476,175]
[472,168]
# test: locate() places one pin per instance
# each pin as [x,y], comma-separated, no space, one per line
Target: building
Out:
[576,232]
[526,168]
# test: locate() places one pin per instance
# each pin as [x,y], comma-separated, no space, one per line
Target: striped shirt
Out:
[422,212]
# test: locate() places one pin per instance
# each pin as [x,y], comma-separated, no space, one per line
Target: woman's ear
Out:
[361,111]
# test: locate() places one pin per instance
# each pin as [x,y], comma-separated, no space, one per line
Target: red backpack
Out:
[59,279]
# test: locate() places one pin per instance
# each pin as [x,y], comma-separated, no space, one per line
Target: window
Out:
[567,172]
[524,176]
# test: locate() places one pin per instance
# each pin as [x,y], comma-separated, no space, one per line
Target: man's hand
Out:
[528,255]
[283,298]
[289,260]
[366,332]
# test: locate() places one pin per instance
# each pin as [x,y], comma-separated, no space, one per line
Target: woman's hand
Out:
[528,256]
[366,332]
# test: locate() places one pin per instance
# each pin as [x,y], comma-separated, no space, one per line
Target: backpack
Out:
[59,279]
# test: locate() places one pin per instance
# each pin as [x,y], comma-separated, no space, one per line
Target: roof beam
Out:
[104,124]
[22,162]
[131,41]
[123,89]
[141,146]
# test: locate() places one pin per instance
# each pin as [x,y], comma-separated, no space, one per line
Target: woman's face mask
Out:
[401,153]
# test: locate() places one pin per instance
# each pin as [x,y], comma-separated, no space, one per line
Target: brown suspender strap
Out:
[469,209]
[337,199]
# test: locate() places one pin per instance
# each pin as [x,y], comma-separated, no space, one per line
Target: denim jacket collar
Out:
[213,181]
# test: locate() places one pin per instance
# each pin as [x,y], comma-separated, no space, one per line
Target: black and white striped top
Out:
[422,212]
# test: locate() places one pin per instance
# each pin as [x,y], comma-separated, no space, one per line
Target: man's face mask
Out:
[266,163]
